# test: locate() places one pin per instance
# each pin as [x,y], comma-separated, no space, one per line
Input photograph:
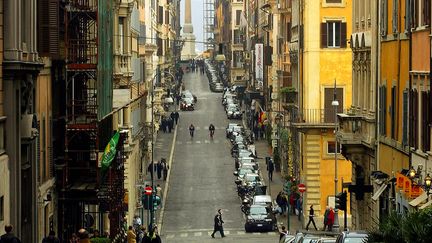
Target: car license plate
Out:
[259,225]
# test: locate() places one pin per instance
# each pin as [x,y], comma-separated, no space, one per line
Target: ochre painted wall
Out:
[421,50]
[391,160]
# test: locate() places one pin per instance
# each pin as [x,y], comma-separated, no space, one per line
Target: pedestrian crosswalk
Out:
[198,142]
[175,235]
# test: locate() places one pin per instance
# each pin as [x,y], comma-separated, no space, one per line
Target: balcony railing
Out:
[313,117]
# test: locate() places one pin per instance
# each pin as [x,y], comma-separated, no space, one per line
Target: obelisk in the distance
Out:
[188,51]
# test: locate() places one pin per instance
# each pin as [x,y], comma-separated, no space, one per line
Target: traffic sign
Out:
[148,190]
[301,187]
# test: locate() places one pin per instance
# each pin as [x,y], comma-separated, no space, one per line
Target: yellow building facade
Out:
[324,69]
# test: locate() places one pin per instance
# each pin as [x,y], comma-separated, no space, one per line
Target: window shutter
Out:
[323,35]
[343,35]
[415,119]
[395,16]
[48,28]
[160,13]
[405,118]
[328,109]
[393,112]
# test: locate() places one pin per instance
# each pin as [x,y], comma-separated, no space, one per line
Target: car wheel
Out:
[247,229]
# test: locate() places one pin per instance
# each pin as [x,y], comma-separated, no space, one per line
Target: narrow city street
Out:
[201,179]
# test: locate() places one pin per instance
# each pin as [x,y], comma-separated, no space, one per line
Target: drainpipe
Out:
[409,86]
[377,85]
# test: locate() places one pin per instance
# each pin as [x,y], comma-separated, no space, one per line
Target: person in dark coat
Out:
[176,117]
[163,124]
[270,168]
[159,170]
[152,237]
[165,168]
[326,213]
[170,124]
[150,169]
[9,237]
[311,218]
[280,201]
[172,115]
[218,224]
[51,238]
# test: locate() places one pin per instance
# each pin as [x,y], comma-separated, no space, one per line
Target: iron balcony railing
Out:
[314,116]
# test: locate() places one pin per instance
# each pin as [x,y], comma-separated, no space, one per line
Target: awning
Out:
[378,193]
[418,199]
[426,205]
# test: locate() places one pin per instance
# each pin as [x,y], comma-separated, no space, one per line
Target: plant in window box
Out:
[289,93]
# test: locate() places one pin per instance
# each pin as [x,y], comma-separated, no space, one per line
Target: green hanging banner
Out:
[110,151]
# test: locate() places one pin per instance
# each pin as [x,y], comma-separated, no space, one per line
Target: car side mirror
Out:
[235,173]
[238,182]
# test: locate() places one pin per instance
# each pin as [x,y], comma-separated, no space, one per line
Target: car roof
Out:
[262,198]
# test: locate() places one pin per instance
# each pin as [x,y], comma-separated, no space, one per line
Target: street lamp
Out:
[335,104]
[427,185]
[412,173]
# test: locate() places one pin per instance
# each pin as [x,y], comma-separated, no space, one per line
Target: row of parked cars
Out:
[326,237]
[256,205]
[231,104]
[215,83]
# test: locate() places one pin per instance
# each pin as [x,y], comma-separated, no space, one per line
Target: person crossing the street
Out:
[191,130]
[311,218]
[218,224]
[212,130]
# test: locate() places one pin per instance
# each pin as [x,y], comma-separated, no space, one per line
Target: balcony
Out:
[313,118]
[355,129]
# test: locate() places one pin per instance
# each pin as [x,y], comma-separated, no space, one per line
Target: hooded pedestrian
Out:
[152,237]
[270,169]
[281,202]
[9,237]
[218,224]
[170,124]
[51,238]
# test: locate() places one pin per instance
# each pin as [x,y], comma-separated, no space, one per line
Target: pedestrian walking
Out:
[51,238]
[170,124]
[158,191]
[165,168]
[150,169]
[74,238]
[326,213]
[83,236]
[311,218]
[9,237]
[140,234]
[136,222]
[163,124]
[299,207]
[131,236]
[282,233]
[159,170]
[281,202]
[330,219]
[270,169]
[191,130]
[218,224]
[176,117]
[152,236]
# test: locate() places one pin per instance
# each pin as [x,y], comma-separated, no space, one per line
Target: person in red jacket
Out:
[330,219]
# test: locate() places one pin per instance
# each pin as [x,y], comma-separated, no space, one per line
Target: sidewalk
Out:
[275,186]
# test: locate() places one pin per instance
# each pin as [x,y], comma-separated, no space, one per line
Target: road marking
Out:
[206,141]
[188,142]
[170,237]
[183,235]
[197,233]
[165,193]
[198,142]
[226,232]
[179,142]
[256,233]
[241,232]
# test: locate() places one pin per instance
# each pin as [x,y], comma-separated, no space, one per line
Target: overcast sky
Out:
[197,20]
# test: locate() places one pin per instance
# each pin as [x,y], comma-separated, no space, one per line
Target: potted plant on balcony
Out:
[290,94]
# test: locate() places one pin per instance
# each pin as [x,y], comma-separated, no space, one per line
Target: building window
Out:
[426,10]
[383,15]
[426,115]
[393,110]
[2,208]
[237,37]
[329,110]
[331,147]
[382,109]
[333,34]
[333,1]
[237,19]
[395,16]
[121,35]
[405,118]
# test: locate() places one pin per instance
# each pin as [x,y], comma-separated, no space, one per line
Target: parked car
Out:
[188,94]
[234,113]
[265,200]
[260,218]
[352,237]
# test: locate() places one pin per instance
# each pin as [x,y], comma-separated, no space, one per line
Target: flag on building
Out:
[110,152]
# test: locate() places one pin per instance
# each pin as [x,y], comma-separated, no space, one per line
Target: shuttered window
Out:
[405,118]
[383,16]
[237,18]
[395,16]
[48,28]
[160,15]
[426,121]
[413,138]
[167,17]
[382,109]
[142,35]
[159,46]
[393,110]
[329,112]
[426,9]
[408,14]
[333,34]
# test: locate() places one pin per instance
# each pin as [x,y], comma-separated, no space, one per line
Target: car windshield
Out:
[251,178]
[258,210]
[245,170]
[355,239]
[187,100]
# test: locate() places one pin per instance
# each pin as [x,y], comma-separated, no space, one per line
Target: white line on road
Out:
[167,181]
[183,235]
[197,233]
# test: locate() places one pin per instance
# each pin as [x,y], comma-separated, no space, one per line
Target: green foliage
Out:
[415,227]
[286,90]
[268,133]
[276,156]
[284,136]
[100,240]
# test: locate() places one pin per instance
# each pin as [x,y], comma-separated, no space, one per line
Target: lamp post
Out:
[427,185]
[335,104]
